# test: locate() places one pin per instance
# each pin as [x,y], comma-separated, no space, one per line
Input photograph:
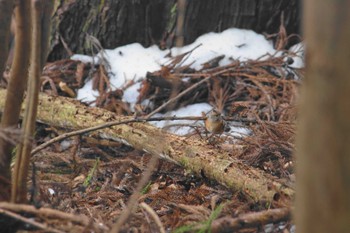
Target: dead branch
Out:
[193,154]
[178,96]
[48,213]
[154,216]
[228,224]
[29,221]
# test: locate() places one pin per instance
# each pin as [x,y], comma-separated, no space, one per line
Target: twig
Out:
[154,215]
[184,93]
[131,206]
[29,221]
[178,96]
[47,212]
[228,224]
[106,125]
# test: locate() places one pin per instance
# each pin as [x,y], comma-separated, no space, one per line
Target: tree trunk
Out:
[323,167]
[119,22]
[16,87]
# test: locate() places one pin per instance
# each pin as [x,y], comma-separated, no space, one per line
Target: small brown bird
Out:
[215,123]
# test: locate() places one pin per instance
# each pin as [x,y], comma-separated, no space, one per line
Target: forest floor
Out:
[96,178]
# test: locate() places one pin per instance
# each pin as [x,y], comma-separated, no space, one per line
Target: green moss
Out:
[88,179]
[146,188]
[201,227]
[185,228]
[184,161]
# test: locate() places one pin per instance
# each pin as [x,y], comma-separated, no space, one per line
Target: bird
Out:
[214,122]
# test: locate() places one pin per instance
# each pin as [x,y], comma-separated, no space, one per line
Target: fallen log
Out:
[195,155]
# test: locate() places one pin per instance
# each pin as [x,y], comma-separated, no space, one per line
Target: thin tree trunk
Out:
[323,158]
[16,87]
[41,15]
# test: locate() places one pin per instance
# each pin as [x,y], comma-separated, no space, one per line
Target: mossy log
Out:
[192,154]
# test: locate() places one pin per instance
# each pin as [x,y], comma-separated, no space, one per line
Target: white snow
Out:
[133,61]
[233,43]
[84,58]
[51,191]
[190,110]
[86,94]
[131,94]
[299,50]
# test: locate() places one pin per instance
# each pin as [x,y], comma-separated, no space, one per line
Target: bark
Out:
[323,161]
[41,12]
[16,87]
[193,154]
[119,22]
